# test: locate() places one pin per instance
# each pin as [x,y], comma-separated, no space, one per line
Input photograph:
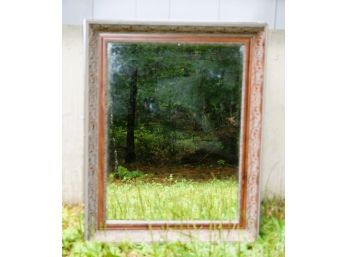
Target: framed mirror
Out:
[173,125]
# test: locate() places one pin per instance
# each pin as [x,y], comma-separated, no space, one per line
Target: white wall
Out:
[73,112]
[273,138]
[271,11]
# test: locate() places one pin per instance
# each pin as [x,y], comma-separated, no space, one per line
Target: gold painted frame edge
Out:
[92,29]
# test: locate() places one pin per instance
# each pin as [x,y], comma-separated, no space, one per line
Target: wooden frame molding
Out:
[97,35]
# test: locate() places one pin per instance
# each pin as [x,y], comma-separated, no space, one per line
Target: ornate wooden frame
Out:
[97,34]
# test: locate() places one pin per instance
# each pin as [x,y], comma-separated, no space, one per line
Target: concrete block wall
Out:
[73,113]
[270,11]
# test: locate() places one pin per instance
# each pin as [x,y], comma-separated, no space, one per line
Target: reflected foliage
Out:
[174,103]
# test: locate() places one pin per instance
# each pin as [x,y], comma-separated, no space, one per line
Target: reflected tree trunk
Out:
[130,148]
[112,145]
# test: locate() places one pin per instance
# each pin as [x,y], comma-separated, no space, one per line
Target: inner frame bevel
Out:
[105,38]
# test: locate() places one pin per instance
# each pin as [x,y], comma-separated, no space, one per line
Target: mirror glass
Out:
[173,131]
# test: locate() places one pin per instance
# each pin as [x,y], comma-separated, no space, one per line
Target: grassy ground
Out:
[270,243]
[213,199]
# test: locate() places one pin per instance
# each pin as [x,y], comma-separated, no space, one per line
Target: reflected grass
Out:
[214,199]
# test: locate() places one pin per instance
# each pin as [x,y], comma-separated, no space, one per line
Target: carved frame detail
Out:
[93,31]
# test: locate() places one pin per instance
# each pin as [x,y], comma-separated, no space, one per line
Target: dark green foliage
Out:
[124,173]
[171,102]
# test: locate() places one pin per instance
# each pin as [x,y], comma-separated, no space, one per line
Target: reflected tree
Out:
[172,102]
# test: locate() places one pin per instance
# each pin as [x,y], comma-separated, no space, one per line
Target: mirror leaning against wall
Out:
[174,132]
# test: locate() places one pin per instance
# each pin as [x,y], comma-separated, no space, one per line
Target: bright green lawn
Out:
[269,244]
[176,200]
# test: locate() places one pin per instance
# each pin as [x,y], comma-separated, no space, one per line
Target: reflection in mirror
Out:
[173,131]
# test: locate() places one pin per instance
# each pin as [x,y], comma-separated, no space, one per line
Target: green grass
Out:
[173,200]
[271,242]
